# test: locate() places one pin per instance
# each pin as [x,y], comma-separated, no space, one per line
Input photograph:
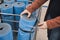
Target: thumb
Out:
[22,13]
[29,14]
[40,24]
[43,25]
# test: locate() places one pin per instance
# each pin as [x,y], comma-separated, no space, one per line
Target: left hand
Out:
[42,25]
[26,12]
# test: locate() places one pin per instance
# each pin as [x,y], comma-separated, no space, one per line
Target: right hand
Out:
[26,12]
[43,25]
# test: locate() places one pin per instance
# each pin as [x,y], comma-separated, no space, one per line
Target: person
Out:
[52,24]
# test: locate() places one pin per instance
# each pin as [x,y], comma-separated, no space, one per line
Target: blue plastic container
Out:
[25,1]
[5,32]
[29,21]
[23,35]
[9,1]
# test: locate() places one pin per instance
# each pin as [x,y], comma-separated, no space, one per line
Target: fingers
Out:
[29,14]
[26,12]
[42,25]
[22,13]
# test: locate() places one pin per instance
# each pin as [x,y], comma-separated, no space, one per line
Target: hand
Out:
[42,25]
[26,12]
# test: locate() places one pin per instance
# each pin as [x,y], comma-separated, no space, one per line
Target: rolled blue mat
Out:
[29,21]
[9,1]
[16,25]
[29,29]
[23,35]
[25,1]
[5,32]
[9,22]
[34,13]
[33,35]
[7,17]
[7,8]
[26,27]
[19,7]
[17,18]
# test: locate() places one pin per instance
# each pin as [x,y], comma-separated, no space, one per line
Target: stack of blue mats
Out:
[26,28]
[7,9]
